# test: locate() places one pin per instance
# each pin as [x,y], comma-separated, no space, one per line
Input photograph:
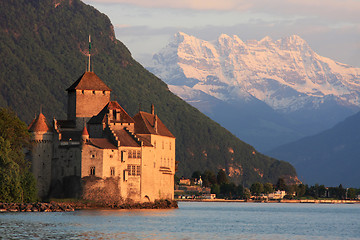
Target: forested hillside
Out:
[43,48]
[330,157]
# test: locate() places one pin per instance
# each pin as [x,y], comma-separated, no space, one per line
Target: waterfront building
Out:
[100,149]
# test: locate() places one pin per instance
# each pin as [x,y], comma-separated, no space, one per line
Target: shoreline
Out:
[71,206]
[315,201]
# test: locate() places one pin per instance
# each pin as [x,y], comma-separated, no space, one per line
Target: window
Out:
[129,154]
[82,91]
[104,92]
[154,144]
[93,92]
[111,156]
[92,171]
[138,154]
[112,171]
[137,170]
[134,154]
[133,170]
[170,145]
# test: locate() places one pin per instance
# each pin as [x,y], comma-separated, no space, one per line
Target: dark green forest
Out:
[43,49]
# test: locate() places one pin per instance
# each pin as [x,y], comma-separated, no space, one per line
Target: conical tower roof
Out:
[85,132]
[39,124]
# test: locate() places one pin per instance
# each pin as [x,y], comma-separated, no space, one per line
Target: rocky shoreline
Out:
[36,207]
[81,205]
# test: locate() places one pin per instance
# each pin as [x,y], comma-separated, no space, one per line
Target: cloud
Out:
[339,43]
[347,10]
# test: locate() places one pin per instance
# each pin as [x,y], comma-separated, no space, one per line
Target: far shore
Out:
[322,201]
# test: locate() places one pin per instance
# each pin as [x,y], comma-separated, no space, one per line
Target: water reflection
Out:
[190,221]
[126,212]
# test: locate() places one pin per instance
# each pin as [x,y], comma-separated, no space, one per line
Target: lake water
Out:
[193,220]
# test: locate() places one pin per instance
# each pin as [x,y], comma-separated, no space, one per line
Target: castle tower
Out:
[41,151]
[85,135]
[86,97]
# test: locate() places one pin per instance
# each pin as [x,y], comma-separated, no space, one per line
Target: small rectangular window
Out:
[92,171]
[129,154]
[112,171]
[138,154]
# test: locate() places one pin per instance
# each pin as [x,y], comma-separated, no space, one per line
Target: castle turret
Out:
[85,135]
[41,151]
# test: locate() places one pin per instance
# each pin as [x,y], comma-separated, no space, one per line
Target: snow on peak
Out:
[280,72]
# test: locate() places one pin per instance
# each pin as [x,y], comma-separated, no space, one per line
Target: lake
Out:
[193,220]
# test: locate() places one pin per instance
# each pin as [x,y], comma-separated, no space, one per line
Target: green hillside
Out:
[43,47]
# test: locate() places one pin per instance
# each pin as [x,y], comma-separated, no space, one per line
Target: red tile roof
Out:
[89,81]
[126,140]
[102,143]
[113,105]
[144,124]
[39,124]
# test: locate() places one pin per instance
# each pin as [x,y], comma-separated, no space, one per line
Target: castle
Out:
[100,141]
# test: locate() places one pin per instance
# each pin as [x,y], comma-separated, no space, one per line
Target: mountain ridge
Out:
[329,157]
[229,62]
[286,74]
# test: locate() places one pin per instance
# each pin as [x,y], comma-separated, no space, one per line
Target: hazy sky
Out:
[331,27]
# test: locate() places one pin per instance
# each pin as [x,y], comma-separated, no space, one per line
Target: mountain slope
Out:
[303,88]
[330,157]
[43,47]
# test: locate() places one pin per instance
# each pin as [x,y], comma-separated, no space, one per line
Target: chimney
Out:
[156,123]
[152,109]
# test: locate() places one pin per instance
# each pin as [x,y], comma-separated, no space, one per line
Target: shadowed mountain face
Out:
[330,157]
[305,93]
[43,50]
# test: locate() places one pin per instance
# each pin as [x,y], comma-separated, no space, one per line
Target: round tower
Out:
[41,153]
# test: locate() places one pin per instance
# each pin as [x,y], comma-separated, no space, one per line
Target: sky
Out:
[330,27]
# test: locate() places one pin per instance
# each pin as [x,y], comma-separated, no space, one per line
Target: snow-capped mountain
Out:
[286,74]
[266,92]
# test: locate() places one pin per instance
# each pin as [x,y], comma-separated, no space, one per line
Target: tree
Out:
[221,177]
[247,194]
[281,185]
[257,188]
[10,181]
[351,193]
[209,178]
[196,174]
[17,184]
[215,189]
[301,190]
[268,188]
